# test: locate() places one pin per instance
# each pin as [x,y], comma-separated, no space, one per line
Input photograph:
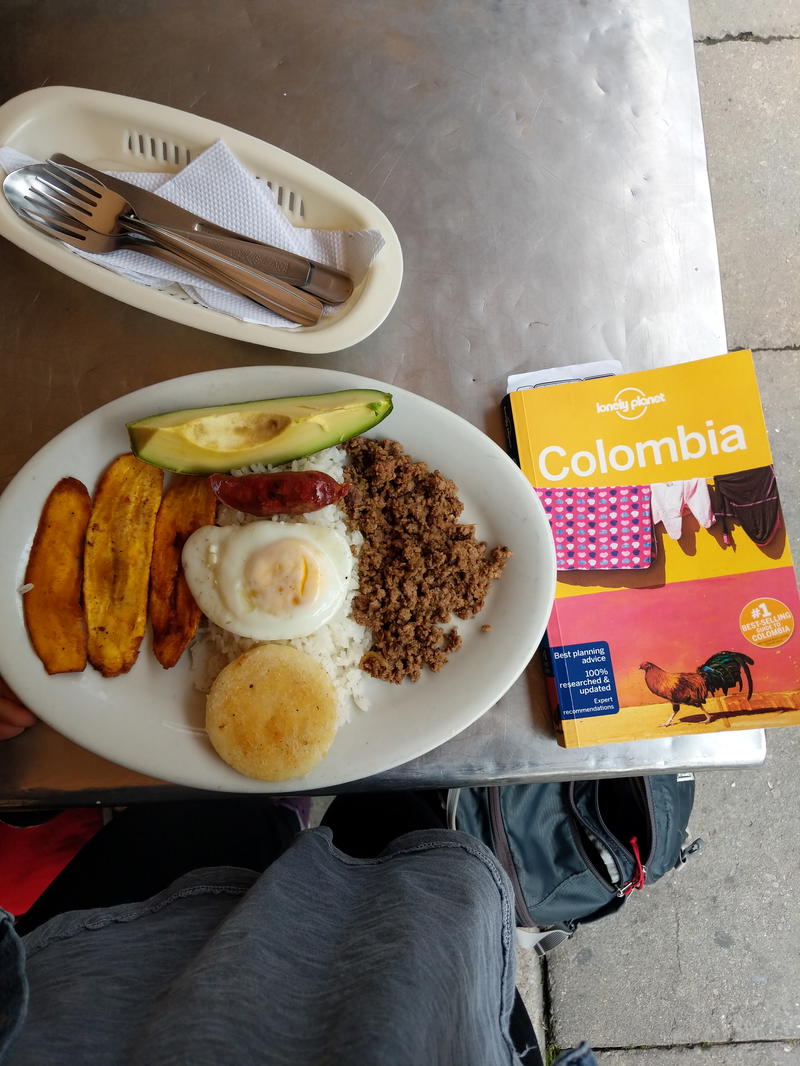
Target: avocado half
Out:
[208,440]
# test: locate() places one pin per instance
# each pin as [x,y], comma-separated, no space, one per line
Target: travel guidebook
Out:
[676,602]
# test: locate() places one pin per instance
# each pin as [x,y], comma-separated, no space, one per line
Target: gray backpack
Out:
[575,851]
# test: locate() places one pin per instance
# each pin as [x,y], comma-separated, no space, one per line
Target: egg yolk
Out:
[282,576]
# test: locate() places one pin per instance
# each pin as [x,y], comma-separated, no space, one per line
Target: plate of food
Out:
[269,579]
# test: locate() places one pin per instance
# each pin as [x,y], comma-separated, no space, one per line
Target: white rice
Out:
[337,646]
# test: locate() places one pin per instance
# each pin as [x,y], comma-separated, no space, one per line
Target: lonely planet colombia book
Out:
[676,602]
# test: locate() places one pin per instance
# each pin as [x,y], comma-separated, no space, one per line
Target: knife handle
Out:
[277,296]
[330,285]
[155,251]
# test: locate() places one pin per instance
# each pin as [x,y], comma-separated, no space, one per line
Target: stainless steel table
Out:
[544,166]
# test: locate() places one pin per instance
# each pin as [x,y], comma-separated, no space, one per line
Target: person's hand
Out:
[14,718]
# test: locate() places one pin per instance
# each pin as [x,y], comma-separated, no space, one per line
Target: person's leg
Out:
[144,848]
[364,824]
[147,846]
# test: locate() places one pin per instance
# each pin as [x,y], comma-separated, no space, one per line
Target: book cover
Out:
[676,601]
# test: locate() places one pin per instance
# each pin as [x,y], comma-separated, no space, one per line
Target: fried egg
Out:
[268,580]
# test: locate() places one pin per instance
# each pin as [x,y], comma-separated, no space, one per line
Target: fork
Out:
[63,228]
[82,210]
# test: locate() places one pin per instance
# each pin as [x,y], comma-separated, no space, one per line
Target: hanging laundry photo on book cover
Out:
[676,601]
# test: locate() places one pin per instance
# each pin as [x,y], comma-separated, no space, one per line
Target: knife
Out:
[327,283]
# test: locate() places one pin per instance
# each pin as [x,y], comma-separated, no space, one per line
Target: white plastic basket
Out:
[112,132]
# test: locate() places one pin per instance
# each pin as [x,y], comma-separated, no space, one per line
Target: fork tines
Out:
[53,223]
[79,184]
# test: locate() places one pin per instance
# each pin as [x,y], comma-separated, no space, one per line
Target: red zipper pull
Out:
[640,874]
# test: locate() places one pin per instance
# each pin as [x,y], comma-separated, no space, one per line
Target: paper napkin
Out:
[217,187]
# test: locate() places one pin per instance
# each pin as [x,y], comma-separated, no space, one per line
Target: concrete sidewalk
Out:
[704,967]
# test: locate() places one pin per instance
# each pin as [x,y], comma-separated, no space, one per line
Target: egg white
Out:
[217,558]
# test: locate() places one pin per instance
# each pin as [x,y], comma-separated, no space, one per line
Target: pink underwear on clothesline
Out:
[600,528]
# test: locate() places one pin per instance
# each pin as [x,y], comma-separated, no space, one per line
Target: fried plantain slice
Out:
[116,568]
[188,503]
[52,608]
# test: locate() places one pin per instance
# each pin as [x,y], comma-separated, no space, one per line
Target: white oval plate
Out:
[151,719]
[120,133]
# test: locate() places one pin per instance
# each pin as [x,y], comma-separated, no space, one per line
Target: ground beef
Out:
[418,565]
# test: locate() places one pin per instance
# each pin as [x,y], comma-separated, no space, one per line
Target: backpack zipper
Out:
[639,878]
[647,795]
[502,850]
[607,883]
[640,873]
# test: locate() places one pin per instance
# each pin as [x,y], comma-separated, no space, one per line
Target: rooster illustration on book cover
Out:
[723,671]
